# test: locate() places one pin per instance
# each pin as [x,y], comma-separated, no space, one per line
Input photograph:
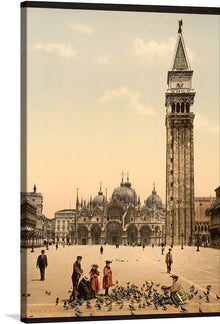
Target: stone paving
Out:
[128,264]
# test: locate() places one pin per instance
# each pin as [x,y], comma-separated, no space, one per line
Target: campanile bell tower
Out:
[179,148]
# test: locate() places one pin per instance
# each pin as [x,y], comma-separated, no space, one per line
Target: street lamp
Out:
[197,241]
[182,241]
[32,249]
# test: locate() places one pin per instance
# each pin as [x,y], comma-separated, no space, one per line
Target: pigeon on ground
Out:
[132,313]
[217,297]
[110,308]
[121,306]
[200,310]
[183,309]
[207,299]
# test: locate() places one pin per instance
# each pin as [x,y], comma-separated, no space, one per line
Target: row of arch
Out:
[114,233]
[201,228]
[180,107]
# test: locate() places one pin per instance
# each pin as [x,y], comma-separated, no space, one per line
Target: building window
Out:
[178,107]
[97,219]
[171,172]
[145,218]
[171,184]
[132,219]
[173,108]
[182,107]
[187,107]
[200,204]
[84,219]
[33,199]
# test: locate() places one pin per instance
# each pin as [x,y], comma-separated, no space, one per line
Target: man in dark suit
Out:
[42,264]
[77,271]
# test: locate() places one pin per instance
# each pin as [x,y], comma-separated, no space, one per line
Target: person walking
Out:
[56,246]
[42,264]
[162,249]
[77,271]
[169,260]
[107,279]
[143,247]
[94,281]
[101,249]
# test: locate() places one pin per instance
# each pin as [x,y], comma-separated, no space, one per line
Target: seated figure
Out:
[84,289]
[177,294]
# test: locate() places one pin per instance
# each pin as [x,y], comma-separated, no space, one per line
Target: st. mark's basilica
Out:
[101,221]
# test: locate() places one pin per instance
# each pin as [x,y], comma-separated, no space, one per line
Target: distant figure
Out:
[107,279]
[162,249]
[101,249]
[177,294]
[169,260]
[84,290]
[77,271]
[143,247]
[152,245]
[42,264]
[94,281]
[56,246]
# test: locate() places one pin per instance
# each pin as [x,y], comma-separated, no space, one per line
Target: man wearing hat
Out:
[177,294]
[169,260]
[94,281]
[77,271]
[107,279]
[42,264]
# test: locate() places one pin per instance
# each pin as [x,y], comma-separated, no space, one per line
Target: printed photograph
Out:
[120,195]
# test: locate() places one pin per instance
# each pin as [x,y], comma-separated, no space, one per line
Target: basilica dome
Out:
[154,199]
[98,200]
[125,193]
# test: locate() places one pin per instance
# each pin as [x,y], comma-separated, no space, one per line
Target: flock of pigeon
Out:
[133,298]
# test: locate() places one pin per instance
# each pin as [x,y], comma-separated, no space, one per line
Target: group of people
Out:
[86,286]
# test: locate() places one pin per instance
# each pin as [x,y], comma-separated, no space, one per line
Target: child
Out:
[94,282]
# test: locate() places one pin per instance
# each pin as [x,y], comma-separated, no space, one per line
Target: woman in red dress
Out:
[107,279]
[94,281]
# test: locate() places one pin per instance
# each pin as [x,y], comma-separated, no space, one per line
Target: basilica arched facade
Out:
[101,222]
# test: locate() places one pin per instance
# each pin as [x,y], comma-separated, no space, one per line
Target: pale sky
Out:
[96,101]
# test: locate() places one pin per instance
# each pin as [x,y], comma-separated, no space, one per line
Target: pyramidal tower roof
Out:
[180,61]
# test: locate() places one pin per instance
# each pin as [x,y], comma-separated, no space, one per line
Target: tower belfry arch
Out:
[179,147]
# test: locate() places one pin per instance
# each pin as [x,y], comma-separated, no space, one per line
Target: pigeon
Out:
[64,304]
[57,300]
[183,309]
[157,285]
[217,297]
[110,308]
[207,299]
[121,306]
[140,305]
[196,292]
[164,307]
[131,306]
[98,305]
[77,314]
[200,310]
[200,296]
[155,305]
[132,313]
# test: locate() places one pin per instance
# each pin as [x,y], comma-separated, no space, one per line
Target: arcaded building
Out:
[101,221]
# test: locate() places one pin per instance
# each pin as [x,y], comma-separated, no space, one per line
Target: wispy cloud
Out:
[131,99]
[153,49]
[203,123]
[102,59]
[63,50]
[81,28]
